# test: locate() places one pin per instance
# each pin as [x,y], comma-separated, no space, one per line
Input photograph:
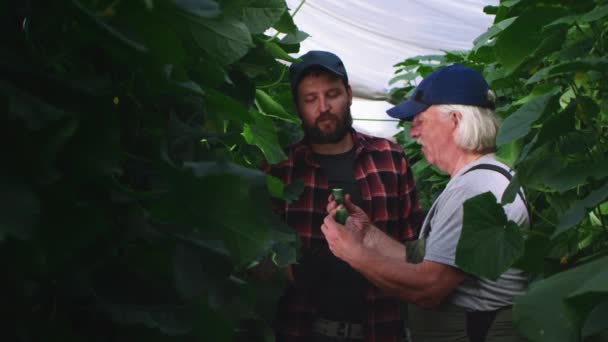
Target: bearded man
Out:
[327,300]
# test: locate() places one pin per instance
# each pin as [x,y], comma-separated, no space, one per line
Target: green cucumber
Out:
[338,195]
[341,215]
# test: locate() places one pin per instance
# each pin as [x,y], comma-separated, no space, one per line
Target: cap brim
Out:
[407,109]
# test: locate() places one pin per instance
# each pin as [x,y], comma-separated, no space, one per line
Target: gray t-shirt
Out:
[445,225]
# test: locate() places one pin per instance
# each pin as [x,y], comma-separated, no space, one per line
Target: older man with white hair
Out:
[452,113]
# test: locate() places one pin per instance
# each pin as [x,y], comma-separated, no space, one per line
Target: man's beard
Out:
[343,124]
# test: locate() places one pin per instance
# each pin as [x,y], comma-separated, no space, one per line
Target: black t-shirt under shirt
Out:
[343,295]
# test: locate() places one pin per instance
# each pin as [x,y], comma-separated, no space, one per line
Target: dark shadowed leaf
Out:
[522,37]
[224,40]
[591,291]
[518,124]
[234,201]
[263,134]
[108,30]
[19,209]
[543,314]
[578,174]
[489,243]
[197,269]
[596,321]
[201,8]
[227,108]
[169,319]
[585,64]
[595,14]
[293,190]
[577,212]
[259,15]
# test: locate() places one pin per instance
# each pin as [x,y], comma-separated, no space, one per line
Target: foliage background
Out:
[132,208]
[547,62]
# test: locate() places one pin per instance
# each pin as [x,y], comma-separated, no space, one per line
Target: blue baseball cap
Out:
[325,60]
[454,84]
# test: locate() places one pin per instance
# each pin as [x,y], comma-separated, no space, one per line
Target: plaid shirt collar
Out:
[303,152]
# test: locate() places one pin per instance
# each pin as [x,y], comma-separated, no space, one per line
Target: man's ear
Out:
[456,117]
[349,92]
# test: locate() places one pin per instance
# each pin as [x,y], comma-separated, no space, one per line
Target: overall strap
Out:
[505,173]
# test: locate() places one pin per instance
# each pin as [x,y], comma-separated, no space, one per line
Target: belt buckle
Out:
[343,331]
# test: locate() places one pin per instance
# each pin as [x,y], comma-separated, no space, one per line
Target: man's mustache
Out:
[326,116]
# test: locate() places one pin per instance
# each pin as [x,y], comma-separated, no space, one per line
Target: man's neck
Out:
[464,159]
[342,146]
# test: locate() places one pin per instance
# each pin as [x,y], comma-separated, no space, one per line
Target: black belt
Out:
[345,330]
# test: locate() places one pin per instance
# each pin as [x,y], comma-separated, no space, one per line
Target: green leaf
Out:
[108,30]
[198,269]
[268,106]
[227,108]
[491,32]
[522,37]
[577,212]
[199,8]
[489,244]
[20,209]
[590,292]
[236,205]
[277,52]
[407,77]
[557,125]
[169,319]
[583,65]
[275,186]
[295,38]
[518,124]
[595,14]
[574,175]
[543,313]
[286,24]
[259,15]
[596,320]
[225,40]
[293,191]
[263,134]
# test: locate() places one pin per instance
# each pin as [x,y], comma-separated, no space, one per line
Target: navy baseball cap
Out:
[454,84]
[323,59]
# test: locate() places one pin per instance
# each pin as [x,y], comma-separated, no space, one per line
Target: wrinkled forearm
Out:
[425,284]
[378,241]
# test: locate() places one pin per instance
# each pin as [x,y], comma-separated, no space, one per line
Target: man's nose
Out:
[324,105]
[414,132]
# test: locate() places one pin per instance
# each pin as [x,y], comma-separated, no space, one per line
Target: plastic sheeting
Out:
[372,36]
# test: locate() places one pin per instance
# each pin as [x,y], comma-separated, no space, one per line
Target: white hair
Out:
[477,128]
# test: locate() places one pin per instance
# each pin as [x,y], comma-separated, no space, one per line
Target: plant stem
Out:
[545,219]
[266,86]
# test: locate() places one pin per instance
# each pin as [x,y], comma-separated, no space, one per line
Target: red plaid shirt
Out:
[389,199]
